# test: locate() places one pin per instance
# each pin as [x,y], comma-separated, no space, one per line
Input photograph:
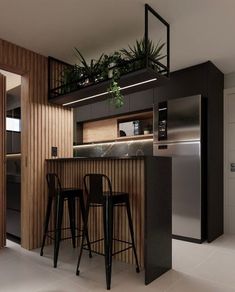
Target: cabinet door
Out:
[185,82]
[100,109]
[82,113]
[113,111]
[142,100]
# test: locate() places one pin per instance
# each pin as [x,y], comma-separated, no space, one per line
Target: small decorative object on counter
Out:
[136,127]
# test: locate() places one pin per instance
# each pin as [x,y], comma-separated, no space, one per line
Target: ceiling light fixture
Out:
[106,92]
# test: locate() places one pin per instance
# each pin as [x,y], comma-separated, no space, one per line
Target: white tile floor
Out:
[196,268]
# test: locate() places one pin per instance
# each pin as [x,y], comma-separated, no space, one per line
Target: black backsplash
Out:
[115,149]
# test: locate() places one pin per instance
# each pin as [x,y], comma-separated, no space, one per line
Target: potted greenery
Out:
[139,53]
[69,77]
[91,71]
[111,67]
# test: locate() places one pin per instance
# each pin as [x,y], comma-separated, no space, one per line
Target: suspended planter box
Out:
[135,74]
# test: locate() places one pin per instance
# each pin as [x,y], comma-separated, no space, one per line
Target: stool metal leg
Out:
[83,212]
[59,218]
[132,234]
[108,239]
[71,208]
[85,225]
[48,213]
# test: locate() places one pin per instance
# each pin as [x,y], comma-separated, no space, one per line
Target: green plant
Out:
[69,77]
[116,97]
[91,71]
[111,66]
[108,62]
[138,51]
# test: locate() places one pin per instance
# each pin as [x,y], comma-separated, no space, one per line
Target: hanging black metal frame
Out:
[136,79]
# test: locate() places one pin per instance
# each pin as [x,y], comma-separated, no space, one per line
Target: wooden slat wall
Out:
[43,126]
[2,161]
[126,175]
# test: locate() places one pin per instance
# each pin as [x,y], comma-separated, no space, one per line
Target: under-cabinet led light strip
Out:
[93,144]
[104,93]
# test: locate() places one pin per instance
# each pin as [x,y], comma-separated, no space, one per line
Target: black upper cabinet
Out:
[142,100]
[113,111]
[134,102]
[185,82]
[82,113]
[100,109]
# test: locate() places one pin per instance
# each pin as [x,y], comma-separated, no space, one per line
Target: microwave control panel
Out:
[162,121]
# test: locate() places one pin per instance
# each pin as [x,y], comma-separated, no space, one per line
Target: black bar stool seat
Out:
[59,196]
[97,197]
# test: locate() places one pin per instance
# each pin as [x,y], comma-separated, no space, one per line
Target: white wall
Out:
[229,153]
[229,80]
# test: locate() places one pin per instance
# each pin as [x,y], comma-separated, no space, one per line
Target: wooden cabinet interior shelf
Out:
[108,130]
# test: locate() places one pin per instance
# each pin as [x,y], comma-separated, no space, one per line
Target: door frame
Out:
[3,161]
[24,130]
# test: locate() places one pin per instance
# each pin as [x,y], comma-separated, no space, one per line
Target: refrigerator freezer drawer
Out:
[178,149]
[186,197]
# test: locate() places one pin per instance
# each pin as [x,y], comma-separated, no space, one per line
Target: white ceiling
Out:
[201,30]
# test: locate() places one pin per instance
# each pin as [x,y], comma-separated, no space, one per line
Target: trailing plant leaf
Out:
[117,98]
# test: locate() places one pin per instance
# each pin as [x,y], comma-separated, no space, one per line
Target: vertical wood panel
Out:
[2,161]
[126,175]
[43,125]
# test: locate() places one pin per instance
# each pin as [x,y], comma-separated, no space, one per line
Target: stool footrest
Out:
[64,228]
[122,250]
[114,239]
[64,238]
[94,241]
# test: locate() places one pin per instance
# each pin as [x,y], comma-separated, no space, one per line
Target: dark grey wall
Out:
[207,80]
[204,79]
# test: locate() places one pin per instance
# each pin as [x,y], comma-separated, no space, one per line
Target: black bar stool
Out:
[96,197]
[60,195]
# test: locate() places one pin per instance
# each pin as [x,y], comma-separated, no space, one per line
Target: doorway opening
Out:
[13,156]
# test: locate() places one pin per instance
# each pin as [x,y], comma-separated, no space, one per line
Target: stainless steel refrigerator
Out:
[178,134]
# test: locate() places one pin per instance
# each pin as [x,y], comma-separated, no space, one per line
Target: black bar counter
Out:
[147,179]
